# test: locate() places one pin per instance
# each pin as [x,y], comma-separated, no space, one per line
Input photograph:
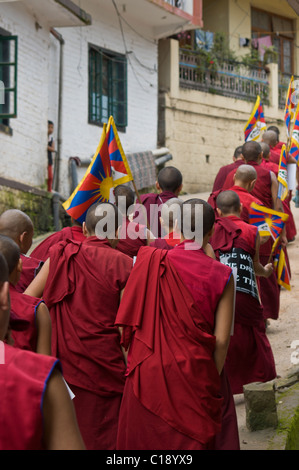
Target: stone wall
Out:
[35,203]
[202,130]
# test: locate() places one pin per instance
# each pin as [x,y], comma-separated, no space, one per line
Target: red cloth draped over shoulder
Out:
[223,172]
[24,308]
[30,267]
[171,369]
[67,233]
[82,293]
[262,187]
[23,380]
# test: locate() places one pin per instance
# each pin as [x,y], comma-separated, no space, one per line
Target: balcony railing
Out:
[227,79]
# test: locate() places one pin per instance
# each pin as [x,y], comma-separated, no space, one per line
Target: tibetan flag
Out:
[107,169]
[294,147]
[289,106]
[281,268]
[268,221]
[282,176]
[256,123]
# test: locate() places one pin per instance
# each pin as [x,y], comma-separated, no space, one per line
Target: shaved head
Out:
[265,149]
[103,220]
[228,202]
[170,179]
[245,174]
[270,137]
[126,192]
[11,252]
[190,215]
[251,151]
[14,222]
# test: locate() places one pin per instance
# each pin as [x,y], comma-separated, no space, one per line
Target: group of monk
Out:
[137,336]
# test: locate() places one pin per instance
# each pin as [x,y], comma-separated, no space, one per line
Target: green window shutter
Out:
[107,93]
[8,76]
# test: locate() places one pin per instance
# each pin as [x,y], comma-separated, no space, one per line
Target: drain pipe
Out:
[59,37]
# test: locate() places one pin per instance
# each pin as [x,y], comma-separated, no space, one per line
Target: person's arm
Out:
[259,269]
[44,330]
[223,324]
[61,431]
[36,287]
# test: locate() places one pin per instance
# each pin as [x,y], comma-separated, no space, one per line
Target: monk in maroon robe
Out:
[266,189]
[67,233]
[250,358]
[178,331]
[36,336]
[81,284]
[169,184]
[291,230]
[225,170]
[18,226]
[36,409]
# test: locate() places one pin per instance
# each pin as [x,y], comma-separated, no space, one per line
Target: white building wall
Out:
[23,155]
[80,138]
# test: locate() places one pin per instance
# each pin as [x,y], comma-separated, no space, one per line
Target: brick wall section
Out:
[23,155]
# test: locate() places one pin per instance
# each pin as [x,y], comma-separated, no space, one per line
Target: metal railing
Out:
[233,79]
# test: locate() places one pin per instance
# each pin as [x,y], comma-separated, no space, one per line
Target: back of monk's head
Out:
[228,202]
[270,137]
[11,252]
[190,220]
[251,151]
[124,191]
[238,153]
[14,222]
[265,149]
[245,174]
[103,219]
[170,179]
[275,129]
[171,212]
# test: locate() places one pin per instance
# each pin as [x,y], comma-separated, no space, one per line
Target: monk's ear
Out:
[84,230]
[179,189]
[211,232]
[252,185]
[241,208]
[234,177]
[219,212]
[158,186]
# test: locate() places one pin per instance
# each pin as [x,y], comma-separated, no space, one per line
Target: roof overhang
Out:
[58,13]
[160,18]
[295,5]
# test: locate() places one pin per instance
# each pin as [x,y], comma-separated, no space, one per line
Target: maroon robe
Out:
[30,267]
[172,394]
[152,203]
[72,233]
[246,199]
[270,290]
[23,379]
[223,172]
[132,237]
[250,357]
[82,293]
[275,153]
[24,307]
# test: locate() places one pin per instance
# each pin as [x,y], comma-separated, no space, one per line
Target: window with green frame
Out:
[107,93]
[8,77]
